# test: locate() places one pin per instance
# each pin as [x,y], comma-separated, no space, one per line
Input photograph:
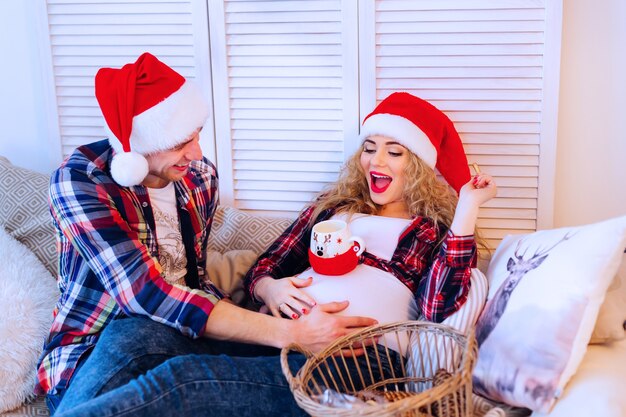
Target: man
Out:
[133,214]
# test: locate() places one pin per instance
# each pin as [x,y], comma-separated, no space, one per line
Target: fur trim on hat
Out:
[402,131]
[169,123]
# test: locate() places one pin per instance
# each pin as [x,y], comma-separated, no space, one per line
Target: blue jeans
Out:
[142,368]
[200,385]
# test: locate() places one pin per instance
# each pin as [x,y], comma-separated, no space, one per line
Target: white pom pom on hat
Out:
[148,107]
[129,168]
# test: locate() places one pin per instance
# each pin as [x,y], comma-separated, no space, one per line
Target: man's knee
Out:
[138,333]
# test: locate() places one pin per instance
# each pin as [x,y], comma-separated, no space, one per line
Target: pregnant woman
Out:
[419,236]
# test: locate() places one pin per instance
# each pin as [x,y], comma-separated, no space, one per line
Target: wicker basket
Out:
[428,372]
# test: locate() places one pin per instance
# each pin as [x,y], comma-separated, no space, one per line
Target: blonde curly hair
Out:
[424,194]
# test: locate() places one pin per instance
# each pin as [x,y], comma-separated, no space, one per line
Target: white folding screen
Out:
[286,98]
[88,34]
[290,80]
[483,63]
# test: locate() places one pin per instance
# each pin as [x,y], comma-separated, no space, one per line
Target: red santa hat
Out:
[424,130]
[148,107]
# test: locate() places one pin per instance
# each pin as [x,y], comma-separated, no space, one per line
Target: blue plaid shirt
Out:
[108,258]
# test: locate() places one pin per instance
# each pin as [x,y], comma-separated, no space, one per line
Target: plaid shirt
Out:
[108,258]
[439,278]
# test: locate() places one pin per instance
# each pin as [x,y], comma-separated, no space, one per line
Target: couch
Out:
[236,240]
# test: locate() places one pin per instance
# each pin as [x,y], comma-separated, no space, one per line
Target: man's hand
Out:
[313,331]
[321,327]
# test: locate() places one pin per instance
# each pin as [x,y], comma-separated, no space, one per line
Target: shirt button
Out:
[144,204]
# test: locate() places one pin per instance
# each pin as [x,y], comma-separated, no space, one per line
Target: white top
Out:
[172,256]
[371,292]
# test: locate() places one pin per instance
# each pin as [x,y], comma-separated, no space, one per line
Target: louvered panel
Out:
[302,146]
[468,94]
[500,138]
[521,224]
[282,168]
[436,72]
[284,69]
[465,13]
[86,35]
[63,2]
[298,176]
[508,213]
[146,40]
[286,134]
[481,62]
[286,93]
[481,6]
[291,186]
[459,38]
[285,155]
[281,6]
[294,103]
[292,17]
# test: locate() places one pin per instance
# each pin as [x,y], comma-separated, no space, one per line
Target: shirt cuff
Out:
[192,319]
[459,251]
[258,274]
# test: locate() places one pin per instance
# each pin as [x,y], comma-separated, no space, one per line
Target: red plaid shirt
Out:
[439,278]
[108,258]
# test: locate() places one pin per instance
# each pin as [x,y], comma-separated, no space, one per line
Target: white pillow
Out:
[612,315]
[597,388]
[28,294]
[548,286]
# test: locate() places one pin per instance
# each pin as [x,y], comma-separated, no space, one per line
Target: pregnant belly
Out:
[370,291]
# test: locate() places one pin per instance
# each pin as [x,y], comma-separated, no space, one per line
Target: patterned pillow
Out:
[234,229]
[546,289]
[24,211]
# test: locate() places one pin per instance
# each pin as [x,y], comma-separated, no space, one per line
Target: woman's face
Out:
[384,161]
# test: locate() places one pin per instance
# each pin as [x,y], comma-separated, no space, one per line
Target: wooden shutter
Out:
[86,35]
[285,82]
[483,63]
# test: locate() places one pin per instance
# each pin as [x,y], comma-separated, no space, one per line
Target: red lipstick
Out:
[379,182]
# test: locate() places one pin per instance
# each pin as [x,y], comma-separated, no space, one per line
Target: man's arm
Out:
[84,209]
[313,331]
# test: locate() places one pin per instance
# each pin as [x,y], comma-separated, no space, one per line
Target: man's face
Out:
[172,165]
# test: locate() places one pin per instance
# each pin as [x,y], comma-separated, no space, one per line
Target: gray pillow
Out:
[234,229]
[24,211]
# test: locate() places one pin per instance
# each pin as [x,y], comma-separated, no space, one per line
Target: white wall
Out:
[591,148]
[23,126]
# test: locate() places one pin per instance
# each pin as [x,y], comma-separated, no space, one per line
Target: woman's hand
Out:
[480,189]
[284,295]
